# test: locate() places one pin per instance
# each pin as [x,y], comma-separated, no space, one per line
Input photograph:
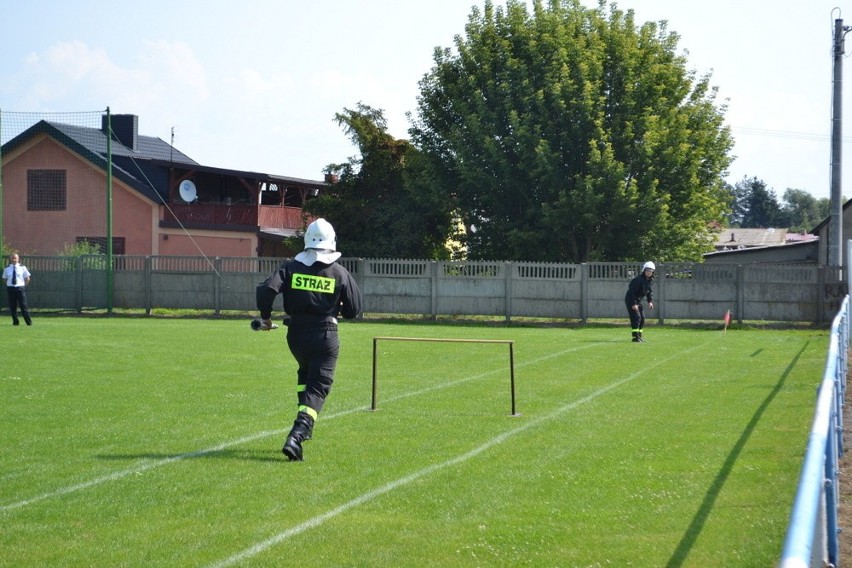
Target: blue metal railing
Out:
[812,536]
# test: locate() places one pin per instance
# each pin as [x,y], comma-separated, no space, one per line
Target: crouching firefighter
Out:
[315,291]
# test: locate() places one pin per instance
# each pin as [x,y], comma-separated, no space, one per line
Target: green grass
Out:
[156,442]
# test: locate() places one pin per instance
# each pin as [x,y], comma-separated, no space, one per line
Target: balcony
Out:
[239,216]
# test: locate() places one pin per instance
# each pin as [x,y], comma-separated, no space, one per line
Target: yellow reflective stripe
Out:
[308,410]
[301,388]
[313,283]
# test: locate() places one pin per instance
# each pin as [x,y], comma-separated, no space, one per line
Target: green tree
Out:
[756,205]
[803,211]
[569,134]
[384,204]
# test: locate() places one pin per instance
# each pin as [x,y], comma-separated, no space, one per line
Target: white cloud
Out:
[164,73]
[177,65]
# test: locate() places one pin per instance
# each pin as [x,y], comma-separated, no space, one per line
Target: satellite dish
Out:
[187,191]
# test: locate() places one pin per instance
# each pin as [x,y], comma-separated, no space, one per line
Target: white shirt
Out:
[22,271]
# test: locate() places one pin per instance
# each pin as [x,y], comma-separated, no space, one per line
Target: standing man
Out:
[17,277]
[315,291]
[639,289]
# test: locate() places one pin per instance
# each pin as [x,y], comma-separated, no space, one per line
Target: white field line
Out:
[136,469]
[148,465]
[387,488]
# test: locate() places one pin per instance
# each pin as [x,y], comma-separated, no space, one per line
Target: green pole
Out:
[109,271]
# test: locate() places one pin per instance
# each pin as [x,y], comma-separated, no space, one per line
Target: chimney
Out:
[125,128]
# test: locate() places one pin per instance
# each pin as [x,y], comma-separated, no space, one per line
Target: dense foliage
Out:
[571,134]
[384,204]
[755,205]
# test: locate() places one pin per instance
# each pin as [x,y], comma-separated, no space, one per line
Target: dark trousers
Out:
[637,319]
[18,298]
[316,353]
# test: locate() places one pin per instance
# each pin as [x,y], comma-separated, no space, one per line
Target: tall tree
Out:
[571,134]
[384,205]
[756,205]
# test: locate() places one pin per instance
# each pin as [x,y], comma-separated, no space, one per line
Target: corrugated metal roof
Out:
[801,237]
[733,238]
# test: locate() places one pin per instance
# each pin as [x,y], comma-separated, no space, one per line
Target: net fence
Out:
[55,184]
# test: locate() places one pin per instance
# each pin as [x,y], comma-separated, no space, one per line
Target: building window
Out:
[45,190]
[101,243]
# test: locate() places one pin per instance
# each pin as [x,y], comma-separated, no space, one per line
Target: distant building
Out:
[737,245]
[736,239]
[163,202]
[822,232]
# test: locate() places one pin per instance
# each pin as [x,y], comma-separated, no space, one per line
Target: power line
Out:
[784,134]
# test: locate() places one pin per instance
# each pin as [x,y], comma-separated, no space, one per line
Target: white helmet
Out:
[649,265]
[320,235]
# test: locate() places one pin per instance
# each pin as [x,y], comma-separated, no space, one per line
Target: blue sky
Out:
[255,85]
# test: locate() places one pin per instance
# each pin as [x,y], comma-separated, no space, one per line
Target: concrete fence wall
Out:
[693,291]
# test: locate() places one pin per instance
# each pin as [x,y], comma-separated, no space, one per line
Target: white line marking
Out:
[379,491]
[144,466]
[148,465]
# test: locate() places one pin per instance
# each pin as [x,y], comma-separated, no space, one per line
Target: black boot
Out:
[302,427]
[639,335]
[636,338]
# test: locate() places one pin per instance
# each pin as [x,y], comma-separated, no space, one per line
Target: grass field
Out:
[156,442]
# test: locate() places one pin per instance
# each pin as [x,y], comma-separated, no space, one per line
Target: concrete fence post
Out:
[78,283]
[361,278]
[435,267]
[147,271]
[661,293]
[217,285]
[508,267]
[740,303]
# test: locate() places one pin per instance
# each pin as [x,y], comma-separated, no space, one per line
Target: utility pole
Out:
[835,223]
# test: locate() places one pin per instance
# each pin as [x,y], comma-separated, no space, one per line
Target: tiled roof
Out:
[91,143]
[148,147]
[135,167]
